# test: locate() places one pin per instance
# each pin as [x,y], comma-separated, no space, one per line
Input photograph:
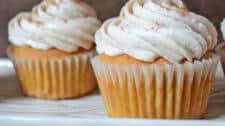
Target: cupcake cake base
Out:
[135,89]
[53,74]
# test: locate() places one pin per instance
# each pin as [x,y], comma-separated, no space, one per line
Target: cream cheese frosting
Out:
[223,28]
[66,25]
[149,29]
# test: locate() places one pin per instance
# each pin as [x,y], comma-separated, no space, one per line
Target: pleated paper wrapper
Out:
[61,78]
[165,92]
[220,50]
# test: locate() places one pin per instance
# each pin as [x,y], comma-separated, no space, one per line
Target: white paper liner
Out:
[221,52]
[178,91]
[60,78]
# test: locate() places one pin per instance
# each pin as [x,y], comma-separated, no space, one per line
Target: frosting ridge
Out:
[149,29]
[63,24]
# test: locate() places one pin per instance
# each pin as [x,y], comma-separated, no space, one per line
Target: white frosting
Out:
[223,28]
[63,24]
[148,29]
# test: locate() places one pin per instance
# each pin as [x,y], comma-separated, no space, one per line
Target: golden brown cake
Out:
[53,74]
[133,88]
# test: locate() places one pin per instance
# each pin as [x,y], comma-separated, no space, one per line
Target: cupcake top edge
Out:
[150,29]
[66,25]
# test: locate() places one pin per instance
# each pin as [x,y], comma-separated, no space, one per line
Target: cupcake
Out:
[51,49]
[221,47]
[155,61]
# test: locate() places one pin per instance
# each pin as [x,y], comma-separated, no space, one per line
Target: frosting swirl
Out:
[223,28]
[149,29]
[66,25]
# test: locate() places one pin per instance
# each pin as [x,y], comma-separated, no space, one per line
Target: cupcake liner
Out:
[221,52]
[61,78]
[178,91]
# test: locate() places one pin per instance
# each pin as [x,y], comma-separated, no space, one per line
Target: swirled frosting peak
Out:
[149,29]
[66,25]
